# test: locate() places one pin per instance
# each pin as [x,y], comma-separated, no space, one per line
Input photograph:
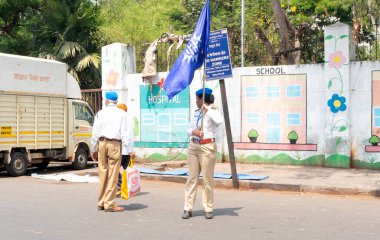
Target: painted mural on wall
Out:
[337,77]
[375,105]
[163,120]
[274,119]
[114,59]
[318,114]
[274,106]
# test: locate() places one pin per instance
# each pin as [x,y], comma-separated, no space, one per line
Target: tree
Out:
[15,18]
[69,34]
[64,30]
[135,22]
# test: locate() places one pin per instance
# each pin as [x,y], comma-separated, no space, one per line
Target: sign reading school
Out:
[218,62]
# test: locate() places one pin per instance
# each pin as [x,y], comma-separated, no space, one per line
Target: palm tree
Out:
[69,33]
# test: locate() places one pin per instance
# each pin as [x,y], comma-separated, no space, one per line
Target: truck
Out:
[42,118]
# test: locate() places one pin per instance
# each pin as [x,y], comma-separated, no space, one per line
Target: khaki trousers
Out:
[201,158]
[109,159]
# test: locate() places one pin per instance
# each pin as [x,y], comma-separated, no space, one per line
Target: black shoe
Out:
[208,215]
[186,215]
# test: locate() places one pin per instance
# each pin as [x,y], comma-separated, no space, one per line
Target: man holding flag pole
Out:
[202,148]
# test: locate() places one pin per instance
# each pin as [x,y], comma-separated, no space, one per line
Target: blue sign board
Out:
[218,62]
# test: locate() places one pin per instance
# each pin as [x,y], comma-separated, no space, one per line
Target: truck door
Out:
[83,121]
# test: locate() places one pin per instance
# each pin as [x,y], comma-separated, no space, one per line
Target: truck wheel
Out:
[42,165]
[80,161]
[18,165]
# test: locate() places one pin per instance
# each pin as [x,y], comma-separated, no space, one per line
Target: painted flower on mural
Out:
[336,59]
[337,103]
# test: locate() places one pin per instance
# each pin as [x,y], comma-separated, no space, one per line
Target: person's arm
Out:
[215,116]
[125,134]
[95,138]
[131,134]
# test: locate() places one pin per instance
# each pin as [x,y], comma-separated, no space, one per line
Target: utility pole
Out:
[242,32]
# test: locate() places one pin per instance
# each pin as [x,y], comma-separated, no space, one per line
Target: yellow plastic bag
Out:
[130,181]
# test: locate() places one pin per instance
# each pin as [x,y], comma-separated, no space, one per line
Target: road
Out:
[42,209]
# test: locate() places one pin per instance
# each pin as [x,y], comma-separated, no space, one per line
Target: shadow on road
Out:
[134,206]
[220,212]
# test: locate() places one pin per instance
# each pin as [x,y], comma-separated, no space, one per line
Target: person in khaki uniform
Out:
[109,134]
[202,153]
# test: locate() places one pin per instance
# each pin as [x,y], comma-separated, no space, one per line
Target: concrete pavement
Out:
[284,178]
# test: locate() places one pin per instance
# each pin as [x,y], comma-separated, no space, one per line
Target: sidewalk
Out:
[284,178]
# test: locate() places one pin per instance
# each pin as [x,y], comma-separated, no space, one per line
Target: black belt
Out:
[109,139]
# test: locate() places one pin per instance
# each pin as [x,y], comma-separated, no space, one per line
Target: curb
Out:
[254,185]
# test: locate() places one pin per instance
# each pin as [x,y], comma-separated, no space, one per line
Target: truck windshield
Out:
[82,112]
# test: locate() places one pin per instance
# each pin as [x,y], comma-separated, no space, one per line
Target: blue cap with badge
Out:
[208,91]
[111,96]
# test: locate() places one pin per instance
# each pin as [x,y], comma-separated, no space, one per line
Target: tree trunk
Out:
[264,39]
[284,28]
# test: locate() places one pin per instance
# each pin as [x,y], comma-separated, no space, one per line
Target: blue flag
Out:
[192,58]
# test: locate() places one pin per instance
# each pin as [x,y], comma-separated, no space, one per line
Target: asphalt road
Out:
[42,209]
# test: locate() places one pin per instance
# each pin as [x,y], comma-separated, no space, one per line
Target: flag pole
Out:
[203,91]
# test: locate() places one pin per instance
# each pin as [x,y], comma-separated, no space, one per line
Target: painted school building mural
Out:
[320,114]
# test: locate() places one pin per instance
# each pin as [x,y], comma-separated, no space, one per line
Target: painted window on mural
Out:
[180,119]
[293,118]
[293,91]
[273,91]
[376,117]
[163,127]
[252,92]
[148,119]
[253,118]
[273,131]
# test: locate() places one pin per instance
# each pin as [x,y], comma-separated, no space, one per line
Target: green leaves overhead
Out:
[63,30]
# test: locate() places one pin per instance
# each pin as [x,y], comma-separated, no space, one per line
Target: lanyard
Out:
[199,118]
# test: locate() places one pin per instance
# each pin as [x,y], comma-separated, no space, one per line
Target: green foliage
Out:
[374,139]
[136,22]
[253,133]
[16,18]
[62,30]
[293,135]
[69,34]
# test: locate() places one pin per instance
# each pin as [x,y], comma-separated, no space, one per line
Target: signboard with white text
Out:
[218,62]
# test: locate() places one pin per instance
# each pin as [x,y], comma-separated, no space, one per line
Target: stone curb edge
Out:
[255,185]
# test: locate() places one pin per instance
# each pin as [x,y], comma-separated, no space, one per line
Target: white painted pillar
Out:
[118,60]
[338,52]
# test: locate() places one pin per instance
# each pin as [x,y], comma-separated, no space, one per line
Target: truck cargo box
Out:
[20,74]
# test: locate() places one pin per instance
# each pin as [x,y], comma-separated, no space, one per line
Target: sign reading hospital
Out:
[218,62]
[163,119]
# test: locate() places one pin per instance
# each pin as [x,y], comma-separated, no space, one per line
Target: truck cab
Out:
[81,119]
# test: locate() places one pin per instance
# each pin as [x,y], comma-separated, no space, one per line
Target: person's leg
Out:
[103,173]
[114,159]
[207,166]
[193,176]
[124,163]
